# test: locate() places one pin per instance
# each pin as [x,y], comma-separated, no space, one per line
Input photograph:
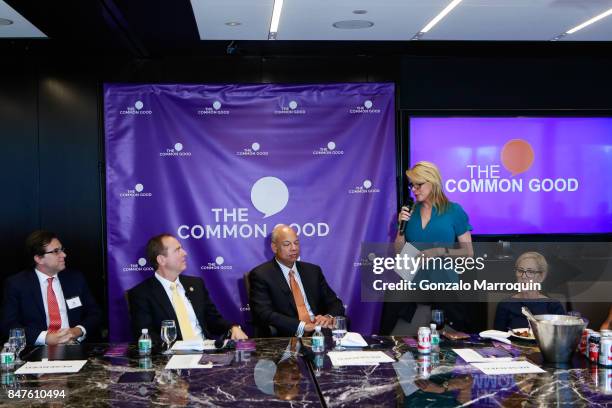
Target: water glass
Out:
[17,340]
[168,334]
[437,317]
[338,331]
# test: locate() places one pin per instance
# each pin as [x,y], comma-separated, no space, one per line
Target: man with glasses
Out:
[53,304]
[289,295]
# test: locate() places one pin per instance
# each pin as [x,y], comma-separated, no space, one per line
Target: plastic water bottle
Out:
[435,338]
[144,343]
[7,358]
[318,341]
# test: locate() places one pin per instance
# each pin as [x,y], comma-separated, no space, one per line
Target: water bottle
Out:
[435,338]
[7,358]
[318,341]
[144,343]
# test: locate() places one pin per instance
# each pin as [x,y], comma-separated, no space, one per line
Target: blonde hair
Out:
[537,257]
[425,171]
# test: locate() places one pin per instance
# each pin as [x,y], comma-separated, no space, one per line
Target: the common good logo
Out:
[292,108]
[137,191]
[517,157]
[365,261]
[365,188]
[136,109]
[216,108]
[218,264]
[329,149]
[269,196]
[139,266]
[366,107]
[178,150]
[255,149]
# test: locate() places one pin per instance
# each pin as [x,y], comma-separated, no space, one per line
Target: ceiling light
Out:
[589,22]
[360,11]
[5,22]
[233,23]
[437,19]
[352,24]
[276,15]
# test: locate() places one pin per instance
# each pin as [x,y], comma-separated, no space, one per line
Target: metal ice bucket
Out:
[557,335]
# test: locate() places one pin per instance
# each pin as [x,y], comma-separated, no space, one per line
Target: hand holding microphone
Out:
[405,213]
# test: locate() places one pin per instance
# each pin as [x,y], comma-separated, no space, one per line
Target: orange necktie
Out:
[299,299]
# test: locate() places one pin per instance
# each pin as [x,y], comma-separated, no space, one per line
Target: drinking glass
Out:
[338,331]
[17,339]
[168,334]
[437,317]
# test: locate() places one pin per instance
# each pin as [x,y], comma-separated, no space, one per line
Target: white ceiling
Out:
[400,20]
[21,28]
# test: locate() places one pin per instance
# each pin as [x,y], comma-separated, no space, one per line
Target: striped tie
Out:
[181,314]
[55,320]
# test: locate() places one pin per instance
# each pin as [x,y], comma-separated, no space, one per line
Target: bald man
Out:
[289,295]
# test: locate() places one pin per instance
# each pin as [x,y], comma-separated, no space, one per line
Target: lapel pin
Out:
[191,288]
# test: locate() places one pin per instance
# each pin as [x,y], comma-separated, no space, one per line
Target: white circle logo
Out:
[139,187]
[178,147]
[367,104]
[367,184]
[142,262]
[216,105]
[219,260]
[269,195]
[255,146]
[292,105]
[331,145]
[138,105]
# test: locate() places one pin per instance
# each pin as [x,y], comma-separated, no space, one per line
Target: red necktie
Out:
[55,320]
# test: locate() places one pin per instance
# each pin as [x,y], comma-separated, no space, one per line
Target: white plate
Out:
[522,329]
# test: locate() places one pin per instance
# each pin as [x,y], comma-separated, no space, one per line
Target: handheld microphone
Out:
[410,205]
[221,342]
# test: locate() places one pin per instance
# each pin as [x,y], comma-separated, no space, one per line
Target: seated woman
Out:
[530,266]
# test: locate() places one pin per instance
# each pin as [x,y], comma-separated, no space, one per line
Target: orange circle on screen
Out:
[517,156]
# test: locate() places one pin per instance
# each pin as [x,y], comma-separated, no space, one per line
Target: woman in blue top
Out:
[530,266]
[440,229]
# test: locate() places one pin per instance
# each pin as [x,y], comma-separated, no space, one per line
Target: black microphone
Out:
[410,205]
[220,343]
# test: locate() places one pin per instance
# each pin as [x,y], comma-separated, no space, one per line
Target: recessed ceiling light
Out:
[360,11]
[233,23]
[353,24]
[5,22]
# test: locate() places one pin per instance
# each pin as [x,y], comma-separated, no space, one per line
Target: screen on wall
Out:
[522,175]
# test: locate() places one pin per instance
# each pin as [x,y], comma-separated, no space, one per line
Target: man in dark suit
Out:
[168,295]
[52,304]
[291,296]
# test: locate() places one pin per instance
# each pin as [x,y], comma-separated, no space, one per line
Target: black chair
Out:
[259,330]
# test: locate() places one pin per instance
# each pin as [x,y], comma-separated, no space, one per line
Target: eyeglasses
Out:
[416,186]
[56,251]
[530,273]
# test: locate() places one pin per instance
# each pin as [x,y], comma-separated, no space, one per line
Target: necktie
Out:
[181,313]
[55,320]
[299,299]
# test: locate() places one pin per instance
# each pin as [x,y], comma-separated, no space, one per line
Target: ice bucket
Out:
[557,335]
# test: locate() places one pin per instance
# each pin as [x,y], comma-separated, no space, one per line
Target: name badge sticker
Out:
[74,302]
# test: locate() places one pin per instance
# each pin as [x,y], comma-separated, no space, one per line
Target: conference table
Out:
[276,372]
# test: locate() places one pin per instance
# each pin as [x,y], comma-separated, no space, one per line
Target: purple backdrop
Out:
[486,167]
[220,165]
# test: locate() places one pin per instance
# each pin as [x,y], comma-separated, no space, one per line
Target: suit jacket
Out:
[272,303]
[149,305]
[23,304]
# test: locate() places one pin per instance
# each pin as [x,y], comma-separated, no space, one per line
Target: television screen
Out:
[522,175]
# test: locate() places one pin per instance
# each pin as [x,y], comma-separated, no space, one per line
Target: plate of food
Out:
[523,333]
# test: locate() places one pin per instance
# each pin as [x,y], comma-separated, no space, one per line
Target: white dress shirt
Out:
[61,302]
[300,330]
[195,325]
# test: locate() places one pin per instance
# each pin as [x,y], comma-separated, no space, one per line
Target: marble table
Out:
[275,374]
